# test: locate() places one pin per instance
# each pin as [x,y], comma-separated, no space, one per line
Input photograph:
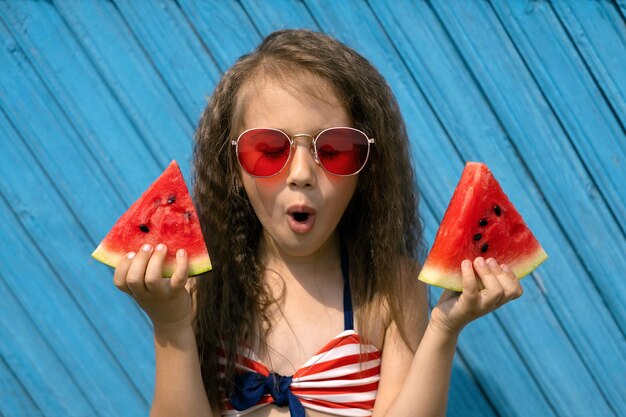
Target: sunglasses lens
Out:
[342,151]
[263,152]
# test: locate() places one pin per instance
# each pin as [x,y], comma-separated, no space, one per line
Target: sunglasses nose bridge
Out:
[311,144]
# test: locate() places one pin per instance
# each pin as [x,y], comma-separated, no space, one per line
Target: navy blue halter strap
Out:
[348,316]
[250,387]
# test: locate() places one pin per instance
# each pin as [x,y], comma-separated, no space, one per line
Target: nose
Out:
[302,167]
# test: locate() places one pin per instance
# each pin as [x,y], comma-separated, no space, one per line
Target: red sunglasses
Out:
[264,152]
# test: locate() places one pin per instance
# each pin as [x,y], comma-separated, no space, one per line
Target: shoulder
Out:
[400,311]
[408,302]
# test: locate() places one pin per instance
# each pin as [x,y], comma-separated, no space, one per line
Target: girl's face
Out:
[301,206]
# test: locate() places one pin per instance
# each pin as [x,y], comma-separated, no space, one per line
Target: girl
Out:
[306,195]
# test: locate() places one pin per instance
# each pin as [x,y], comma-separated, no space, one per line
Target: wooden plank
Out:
[599,35]
[131,76]
[122,335]
[132,94]
[217,33]
[349,19]
[15,400]
[95,342]
[621,6]
[104,385]
[599,232]
[83,366]
[23,182]
[23,95]
[465,397]
[225,31]
[573,96]
[514,95]
[123,326]
[183,63]
[49,385]
[279,14]
[430,60]
[96,135]
[94,132]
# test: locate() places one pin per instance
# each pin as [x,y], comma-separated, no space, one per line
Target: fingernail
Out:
[181,252]
[160,247]
[505,268]
[467,264]
[130,255]
[146,247]
[480,261]
[491,261]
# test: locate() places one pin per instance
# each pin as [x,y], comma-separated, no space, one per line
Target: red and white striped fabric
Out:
[341,379]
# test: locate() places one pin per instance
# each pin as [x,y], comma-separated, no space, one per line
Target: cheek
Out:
[342,189]
[262,194]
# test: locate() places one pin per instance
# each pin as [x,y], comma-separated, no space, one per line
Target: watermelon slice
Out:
[163,214]
[480,221]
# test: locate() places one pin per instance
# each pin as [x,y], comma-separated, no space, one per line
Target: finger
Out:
[508,286]
[470,286]
[135,279]
[493,289]
[154,270]
[516,284]
[179,277]
[119,276]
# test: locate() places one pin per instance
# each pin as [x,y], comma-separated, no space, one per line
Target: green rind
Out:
[453,280]
[197,266]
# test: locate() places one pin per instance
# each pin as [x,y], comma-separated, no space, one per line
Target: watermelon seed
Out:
[482,222]
[144,228]
[484,248]
[173,198]
[478,236]
[497,210]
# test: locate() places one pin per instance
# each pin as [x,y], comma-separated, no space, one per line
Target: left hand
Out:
[499,286]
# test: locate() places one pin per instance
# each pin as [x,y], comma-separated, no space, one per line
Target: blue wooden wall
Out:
[96,97]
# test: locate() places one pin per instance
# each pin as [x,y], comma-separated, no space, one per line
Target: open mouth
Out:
[300,216]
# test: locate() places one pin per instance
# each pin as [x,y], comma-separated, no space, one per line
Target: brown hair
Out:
[381,226]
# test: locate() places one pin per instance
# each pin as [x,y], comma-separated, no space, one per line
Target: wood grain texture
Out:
[597,32]
[96,98]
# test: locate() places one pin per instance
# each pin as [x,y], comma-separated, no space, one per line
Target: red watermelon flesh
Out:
[163,214]
[480,221]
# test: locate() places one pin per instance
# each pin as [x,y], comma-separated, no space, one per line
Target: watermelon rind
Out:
[454,280]
[196,266]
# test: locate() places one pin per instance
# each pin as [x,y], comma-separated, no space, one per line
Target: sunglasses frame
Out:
[313,149]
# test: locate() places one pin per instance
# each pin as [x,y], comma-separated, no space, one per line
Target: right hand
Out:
[166,301]
[499,285]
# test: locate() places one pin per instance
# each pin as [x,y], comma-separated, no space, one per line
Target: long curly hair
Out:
[380,227]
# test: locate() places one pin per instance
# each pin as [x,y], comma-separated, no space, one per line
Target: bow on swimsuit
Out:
[341,379]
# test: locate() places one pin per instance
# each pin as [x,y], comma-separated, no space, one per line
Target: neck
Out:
[326,258]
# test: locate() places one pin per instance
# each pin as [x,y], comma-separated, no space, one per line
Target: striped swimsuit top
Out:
[341,379]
